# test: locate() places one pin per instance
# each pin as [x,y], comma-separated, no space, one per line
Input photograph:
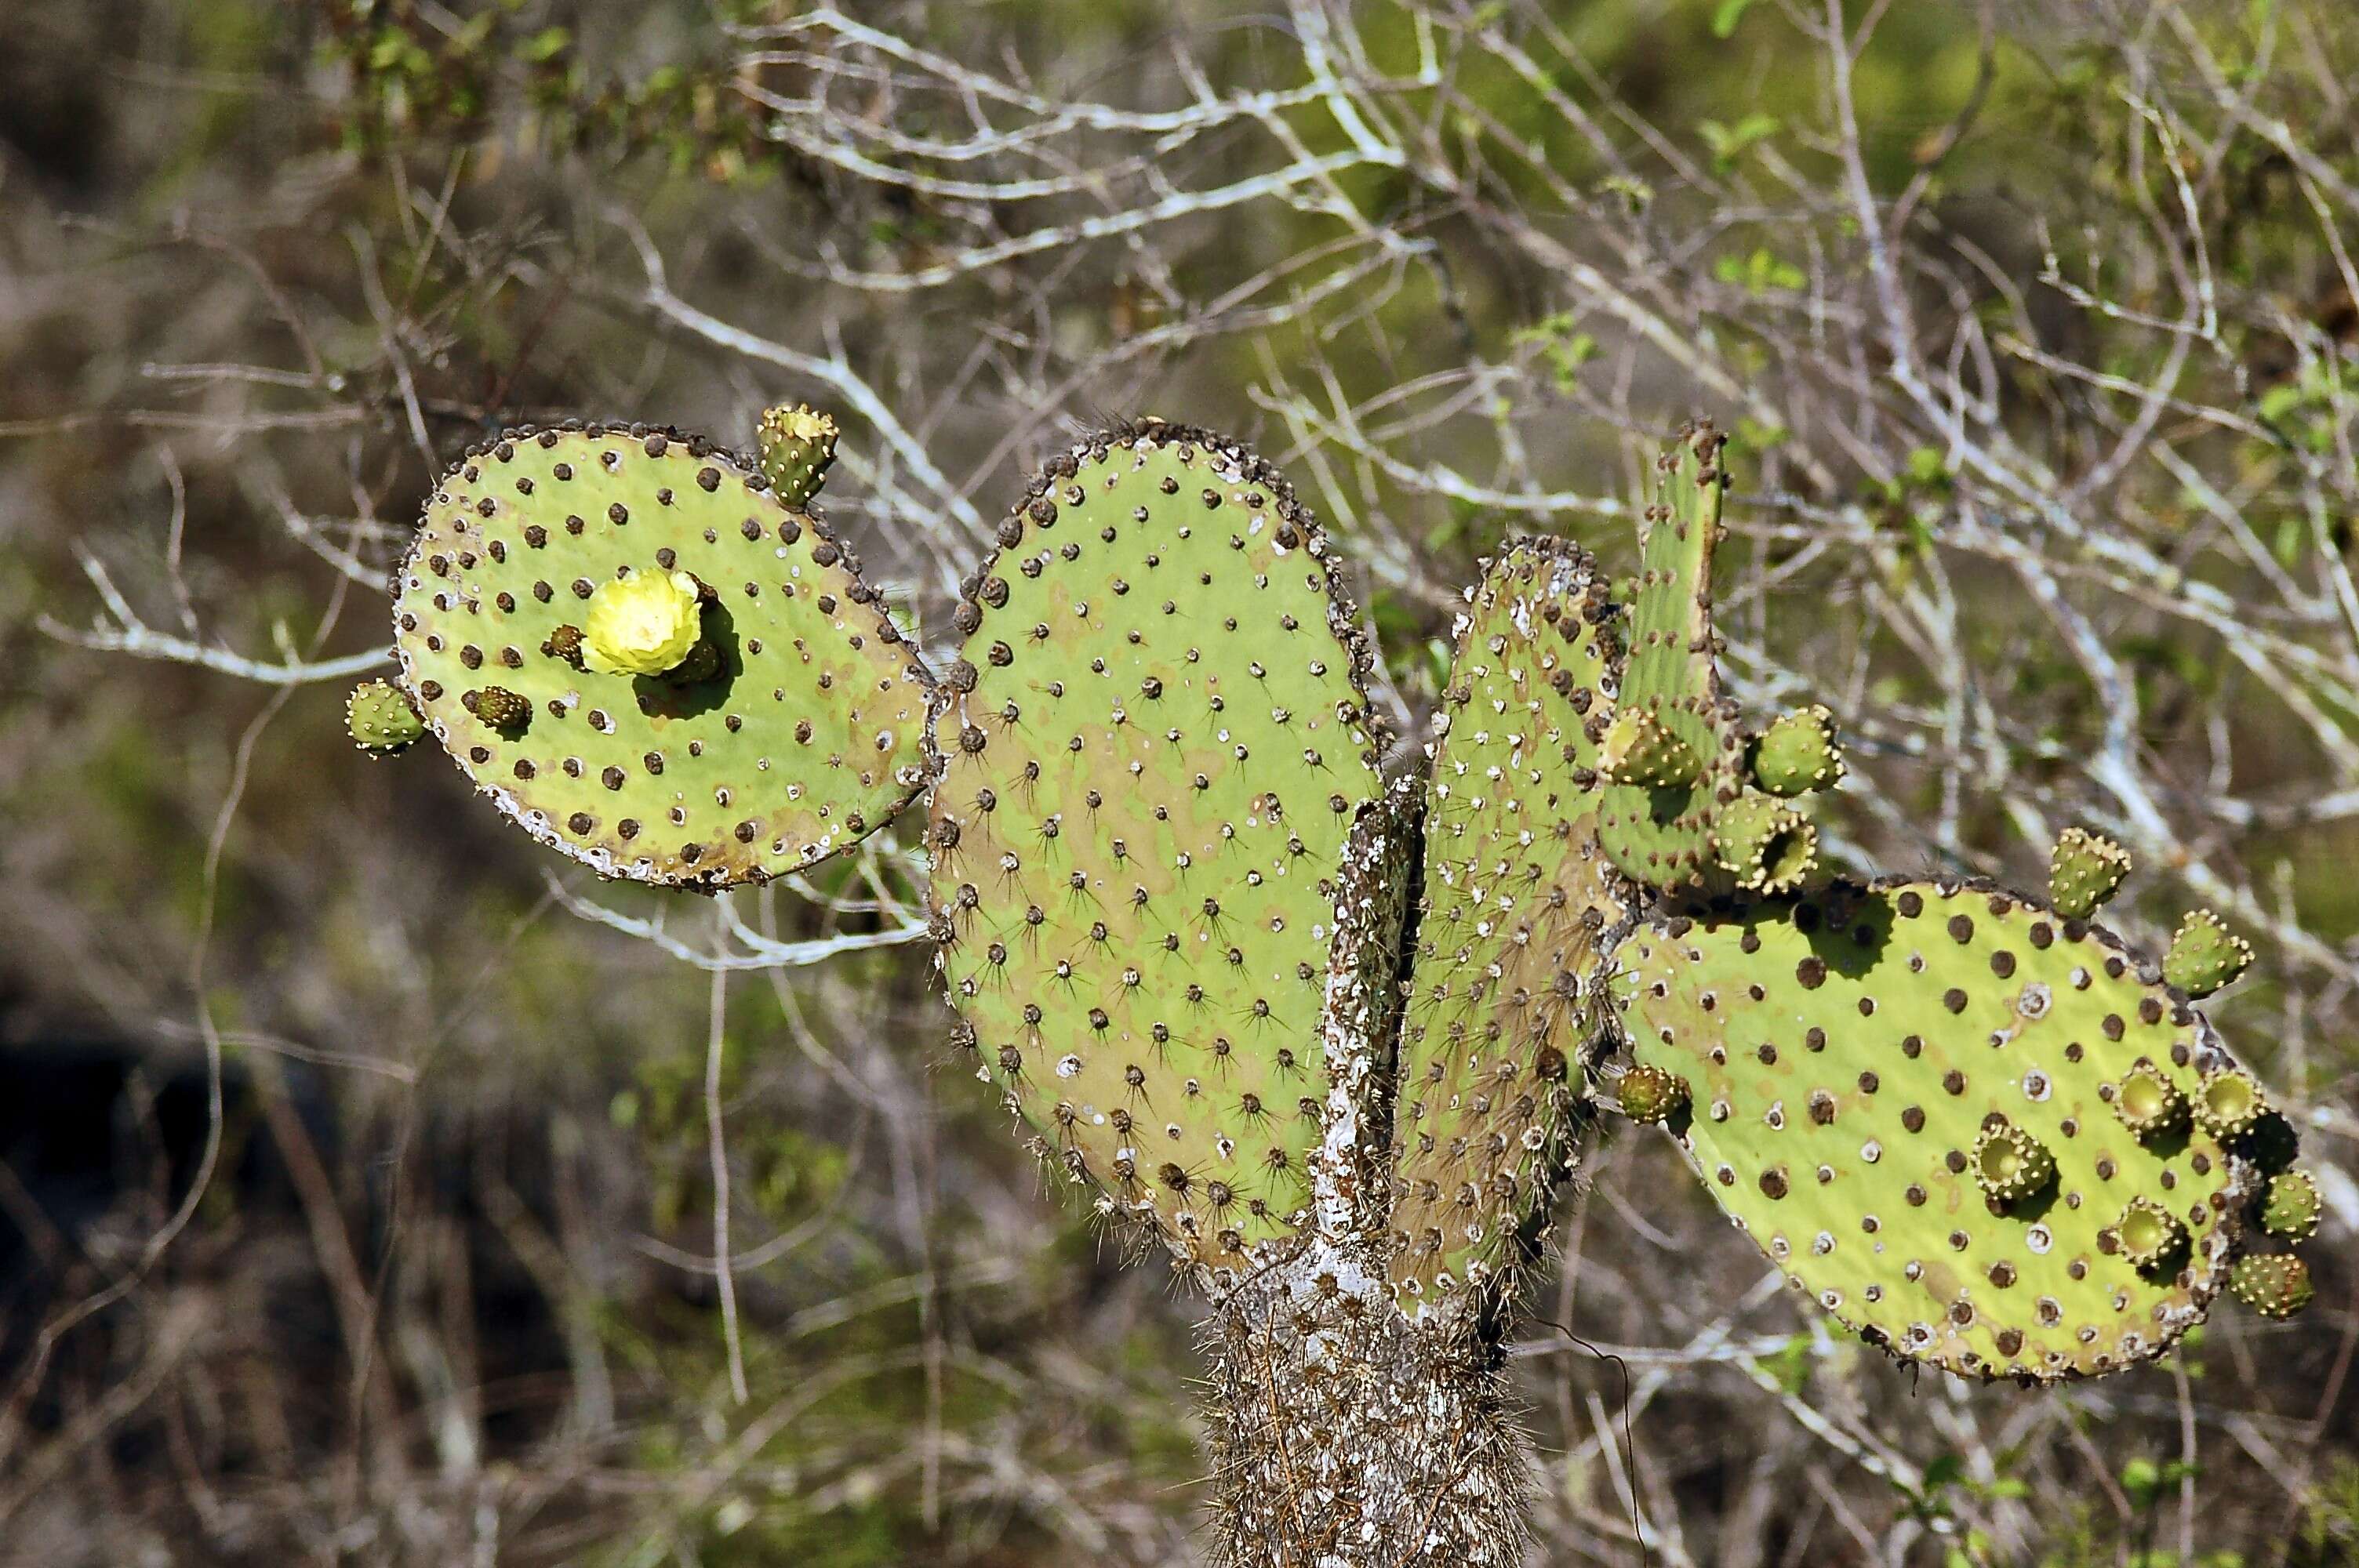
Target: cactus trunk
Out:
[1345,1435]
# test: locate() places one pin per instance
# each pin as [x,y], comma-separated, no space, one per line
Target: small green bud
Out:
[1648,1093]
[2230,1103]
[2204,955]
[796,447]
[381,719]
[564,645]
[1770,848]
[499,709]
[2148,1233]
[1797,753]
[2275,1284]
[2291,1208]
[2010,1164]
[2085,869]
[1639,751]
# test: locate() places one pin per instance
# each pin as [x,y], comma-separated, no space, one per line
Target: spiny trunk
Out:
[1346,1436]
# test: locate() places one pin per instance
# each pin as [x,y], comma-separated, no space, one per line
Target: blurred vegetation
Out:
[447,1292]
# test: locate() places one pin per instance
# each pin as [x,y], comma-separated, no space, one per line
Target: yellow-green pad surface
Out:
[1153,747]
[809,737]
[1846,1048]
[1516,902]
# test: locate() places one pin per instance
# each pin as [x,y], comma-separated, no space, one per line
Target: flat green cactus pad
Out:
[805,737]
[1850,1052]
[1661,833]
[1152,748]
[1516,908]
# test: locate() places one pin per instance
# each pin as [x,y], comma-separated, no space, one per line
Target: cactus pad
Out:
[803,734]
[2083,870]
[1515,915]
[380,718]
[1152,749]
[1641,750]
[1656,817]
[2274,1284]
[1858,1056]
[2204,955]
[1797,753]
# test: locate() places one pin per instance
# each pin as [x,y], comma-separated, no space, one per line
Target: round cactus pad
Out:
[1879,1072]
[1516,908]
[793,729]
[1154,744]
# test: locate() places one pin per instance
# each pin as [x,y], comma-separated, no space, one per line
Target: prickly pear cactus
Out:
[1906,1095]
[1673,753]
[652,662]
[1517,909]
[1332,1039]
[1152,747]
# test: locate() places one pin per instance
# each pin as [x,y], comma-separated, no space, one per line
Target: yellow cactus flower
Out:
[641,625]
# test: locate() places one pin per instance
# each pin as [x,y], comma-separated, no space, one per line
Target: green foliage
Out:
[409,79]
[796,733]
[1563,348]
[1728,143]
[1759,272]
